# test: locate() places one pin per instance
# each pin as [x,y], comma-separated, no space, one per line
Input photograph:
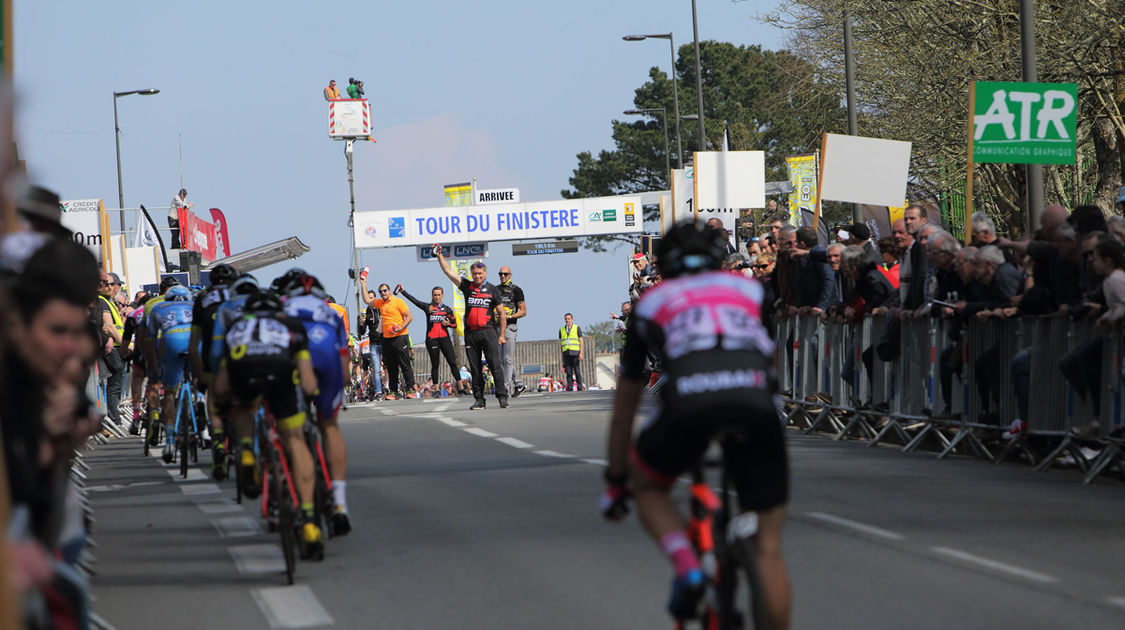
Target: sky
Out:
[507,92]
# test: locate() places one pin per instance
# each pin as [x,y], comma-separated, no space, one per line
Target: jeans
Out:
[113,385]
[509,356]
[572,368]
[376,353]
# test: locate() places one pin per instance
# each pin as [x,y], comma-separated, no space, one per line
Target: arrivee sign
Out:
[568,218]
[1025,123]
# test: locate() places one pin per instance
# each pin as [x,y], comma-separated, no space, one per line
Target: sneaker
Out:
[1018,426]
[312,539]
[169,453]
[520,388]
[153,434]
[218,462]
[341,524]
[687,591]
[1088,430]
[134,427]
[503,403]
[251,482]
[477,405]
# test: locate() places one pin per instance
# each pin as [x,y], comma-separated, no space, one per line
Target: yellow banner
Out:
[802,174]
[459,194]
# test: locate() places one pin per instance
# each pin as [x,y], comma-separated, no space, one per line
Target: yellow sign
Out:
[802,174]
[459,194]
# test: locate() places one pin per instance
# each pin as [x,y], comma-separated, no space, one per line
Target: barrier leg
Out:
[1067,445]
[1018,443]
[1109,455]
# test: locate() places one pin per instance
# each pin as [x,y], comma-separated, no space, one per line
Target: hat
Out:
[638,256]
[859,230]
[42,204]
[116,279]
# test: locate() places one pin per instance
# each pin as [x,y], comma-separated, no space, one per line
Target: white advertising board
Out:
[683,192]
[730,180]
[567,218]
[496,195]
[349,118]
[84,218]
[864,170]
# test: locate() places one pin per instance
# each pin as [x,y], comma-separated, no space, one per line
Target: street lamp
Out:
[675,89]
[698,78]
[117,142]
[664,123]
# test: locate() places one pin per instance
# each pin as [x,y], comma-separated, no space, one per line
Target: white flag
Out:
[146,236]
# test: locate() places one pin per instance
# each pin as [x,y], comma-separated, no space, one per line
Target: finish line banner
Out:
[568,218]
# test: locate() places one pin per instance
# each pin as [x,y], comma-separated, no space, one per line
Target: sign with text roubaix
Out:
[1024,123]
[454,252]
[84,217]
[496,195]
[567,218]
[548,247]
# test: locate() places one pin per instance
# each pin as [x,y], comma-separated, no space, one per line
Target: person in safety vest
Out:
[570,336]
[113,325]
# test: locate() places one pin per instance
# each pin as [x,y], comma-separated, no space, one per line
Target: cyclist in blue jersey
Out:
[168,336]
[203,369]
[228,313]
[305,300]
[152,395]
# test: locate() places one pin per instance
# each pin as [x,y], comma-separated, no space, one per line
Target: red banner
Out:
[222,246]
[197,235]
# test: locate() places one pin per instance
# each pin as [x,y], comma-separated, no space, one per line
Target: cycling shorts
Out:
[330,382]
[274,382]
[172,345]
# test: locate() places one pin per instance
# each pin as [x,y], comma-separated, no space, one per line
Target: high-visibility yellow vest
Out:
[571,340]
[118,322]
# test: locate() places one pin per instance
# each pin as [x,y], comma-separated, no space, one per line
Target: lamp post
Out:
[117,143]
[664,123]
[698,77]
[675,89]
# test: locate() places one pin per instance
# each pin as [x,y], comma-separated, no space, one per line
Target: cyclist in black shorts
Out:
[134,331]
[267,357]
[441,322]
[202,328]
[705,326]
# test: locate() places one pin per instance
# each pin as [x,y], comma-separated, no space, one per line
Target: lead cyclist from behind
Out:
[705,326]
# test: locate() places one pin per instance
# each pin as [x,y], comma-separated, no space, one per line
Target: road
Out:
[488,519]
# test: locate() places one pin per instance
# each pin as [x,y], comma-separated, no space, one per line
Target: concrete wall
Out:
[533,360]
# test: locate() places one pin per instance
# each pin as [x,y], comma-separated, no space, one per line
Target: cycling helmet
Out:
[196,289]
[168,281]
[245,285]
[139,302]
[177,294]
[281,283]
[303,284]
[688,248]
[263,301]
[223,273]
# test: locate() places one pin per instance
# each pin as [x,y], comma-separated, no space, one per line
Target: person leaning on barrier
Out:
[1002,282]
[889,254]
[878,298]
[815,280]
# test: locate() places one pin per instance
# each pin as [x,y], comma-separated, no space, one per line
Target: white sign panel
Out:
[730,180]
[683,192]
[83,217]
[497,195]
[349,118]
[568,218]
[865,170]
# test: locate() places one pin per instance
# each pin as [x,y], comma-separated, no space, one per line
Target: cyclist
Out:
[718,361]
[442,320]
[328,347]
[167,337]
[152,395]
[202,329]
[229,312]
[134,328]
[267,355]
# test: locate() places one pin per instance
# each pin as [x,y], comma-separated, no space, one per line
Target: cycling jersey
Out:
[169,323]
[134,330]
[327,342]
[718,365]
[203,319]
[227,314]
[511,296]
[342,312]
[393,312]
[261,357]
[436,316]
[481,303]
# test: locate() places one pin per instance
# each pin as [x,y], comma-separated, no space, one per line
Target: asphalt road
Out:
[488,519]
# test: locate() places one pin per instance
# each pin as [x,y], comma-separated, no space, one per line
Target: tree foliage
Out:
[604,335]
[914,61]
[769,100]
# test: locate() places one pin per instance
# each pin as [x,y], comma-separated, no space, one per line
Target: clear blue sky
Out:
[507,92]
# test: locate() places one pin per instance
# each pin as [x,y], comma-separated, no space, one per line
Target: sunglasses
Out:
[384,291]
[505,274]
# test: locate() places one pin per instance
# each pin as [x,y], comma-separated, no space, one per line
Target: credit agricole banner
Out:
[566,218]
[1025,123]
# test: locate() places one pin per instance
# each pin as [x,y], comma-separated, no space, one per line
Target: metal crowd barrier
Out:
[898,401]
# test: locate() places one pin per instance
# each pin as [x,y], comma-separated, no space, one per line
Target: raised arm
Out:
[449,272]
[415,301]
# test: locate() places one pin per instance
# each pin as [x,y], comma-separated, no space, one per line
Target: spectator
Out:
[1116,224]
[718,225]
[515,305]
[372,360]
[395,316]
[1086,219]
[753,248]
[859,234]
[570,336]
[351,88]
[330,92]
[42,211]
[889,253]
[113,324]
[178,202]
[815,279]
[1001,282]
[842,285]
[878,297]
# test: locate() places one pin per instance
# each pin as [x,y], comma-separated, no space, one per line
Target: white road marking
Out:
[291,607]
[451,422]
[237,526]
[1116,601]
[386,412]
[193,474]
[480,432]
[225,506]
[546,453]
[443,407]
[994,565]
[855,525]
[257,559]
[513,442]
[121,486]
[596,462]
[199,488]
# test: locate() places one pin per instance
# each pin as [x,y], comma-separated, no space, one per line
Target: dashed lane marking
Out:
[855,525]
[1116,601]
[257,559]
[121,486]
[291,607]
[451,422]
[237,526]
[513,442]
[225,506]
[442,408]
[199,488]
[193,474]
[547,453]
[596,462]
[994,565]
[480,432]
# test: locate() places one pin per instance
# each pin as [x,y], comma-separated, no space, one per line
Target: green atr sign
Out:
[1024,123]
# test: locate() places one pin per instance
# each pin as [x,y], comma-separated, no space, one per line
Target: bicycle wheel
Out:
[747,556]
[183,420]
[286,518]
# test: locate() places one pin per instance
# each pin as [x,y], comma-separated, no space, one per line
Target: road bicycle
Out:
[725,546]
[191,414]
